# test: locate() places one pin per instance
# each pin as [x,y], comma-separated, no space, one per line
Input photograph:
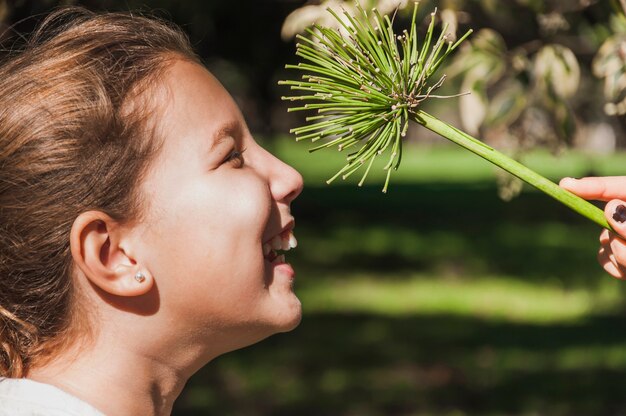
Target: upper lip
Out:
[288,227]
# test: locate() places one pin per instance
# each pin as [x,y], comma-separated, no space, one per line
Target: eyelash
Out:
[236,157]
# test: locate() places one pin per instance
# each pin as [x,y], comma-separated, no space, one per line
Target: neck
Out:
[141,383]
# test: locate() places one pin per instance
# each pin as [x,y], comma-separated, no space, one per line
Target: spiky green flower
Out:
[367,83]
[364,84]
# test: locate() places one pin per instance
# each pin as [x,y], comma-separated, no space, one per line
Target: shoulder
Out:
[23,397]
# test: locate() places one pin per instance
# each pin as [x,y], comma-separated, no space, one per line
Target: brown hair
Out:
[68,145]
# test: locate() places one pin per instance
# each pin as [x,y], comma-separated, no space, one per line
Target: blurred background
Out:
[453,294]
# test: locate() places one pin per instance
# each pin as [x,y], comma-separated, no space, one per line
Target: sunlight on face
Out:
[214,196]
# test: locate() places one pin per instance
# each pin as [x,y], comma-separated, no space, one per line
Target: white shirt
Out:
[23,397]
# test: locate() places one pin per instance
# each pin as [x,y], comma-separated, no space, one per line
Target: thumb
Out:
[615,212]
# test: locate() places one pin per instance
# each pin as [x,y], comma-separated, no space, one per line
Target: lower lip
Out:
[283,268]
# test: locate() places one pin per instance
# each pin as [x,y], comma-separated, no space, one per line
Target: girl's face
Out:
[213,198]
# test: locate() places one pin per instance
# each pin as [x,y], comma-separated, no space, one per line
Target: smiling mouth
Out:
[274,249]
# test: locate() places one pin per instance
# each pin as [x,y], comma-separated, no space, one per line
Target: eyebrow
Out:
[224,132]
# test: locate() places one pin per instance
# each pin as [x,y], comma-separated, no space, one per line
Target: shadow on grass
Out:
[370,365]
[462,229]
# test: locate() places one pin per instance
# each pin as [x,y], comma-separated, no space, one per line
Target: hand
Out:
[611,189]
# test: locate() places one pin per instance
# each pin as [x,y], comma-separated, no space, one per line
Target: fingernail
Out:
[567,181]
[620,213]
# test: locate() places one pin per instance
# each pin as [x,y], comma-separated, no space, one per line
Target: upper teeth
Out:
[285,242]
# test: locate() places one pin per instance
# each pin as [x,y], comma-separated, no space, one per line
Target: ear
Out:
[97,250]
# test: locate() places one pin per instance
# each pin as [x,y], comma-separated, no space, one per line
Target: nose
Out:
[285,182]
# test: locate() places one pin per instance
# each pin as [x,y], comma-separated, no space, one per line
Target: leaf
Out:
[509,186]
[305,16]
[609,64]
[618,23]
[485,58]
[388,6]
[473,106]
[556,69]
[507,105]
[565,122]
[483,65]
[449,20]
[489,42]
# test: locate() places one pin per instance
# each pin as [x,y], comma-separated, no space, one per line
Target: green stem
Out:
[576,203]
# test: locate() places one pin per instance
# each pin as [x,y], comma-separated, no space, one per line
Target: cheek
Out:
[212,230]
[239,213]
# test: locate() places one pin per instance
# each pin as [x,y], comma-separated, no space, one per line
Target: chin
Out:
[290,318]
[294,321]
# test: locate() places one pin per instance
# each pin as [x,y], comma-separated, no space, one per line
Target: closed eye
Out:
[235,158]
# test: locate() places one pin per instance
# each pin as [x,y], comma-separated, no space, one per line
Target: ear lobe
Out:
[96,249]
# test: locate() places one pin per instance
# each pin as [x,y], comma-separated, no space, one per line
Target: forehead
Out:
[194,104]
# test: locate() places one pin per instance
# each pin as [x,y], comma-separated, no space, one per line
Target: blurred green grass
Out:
[493,298]
[435,299]
[436,163]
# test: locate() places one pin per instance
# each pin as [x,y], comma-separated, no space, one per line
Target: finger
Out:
[604,237]
[618,248]
[602,188]
[615,213]
[608,265]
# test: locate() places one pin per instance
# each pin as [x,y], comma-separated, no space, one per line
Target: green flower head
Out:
[364,84]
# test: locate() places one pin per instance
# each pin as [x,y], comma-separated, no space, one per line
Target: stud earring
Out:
[140,277]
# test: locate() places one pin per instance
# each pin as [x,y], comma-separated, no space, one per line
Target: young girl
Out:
[140,223]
